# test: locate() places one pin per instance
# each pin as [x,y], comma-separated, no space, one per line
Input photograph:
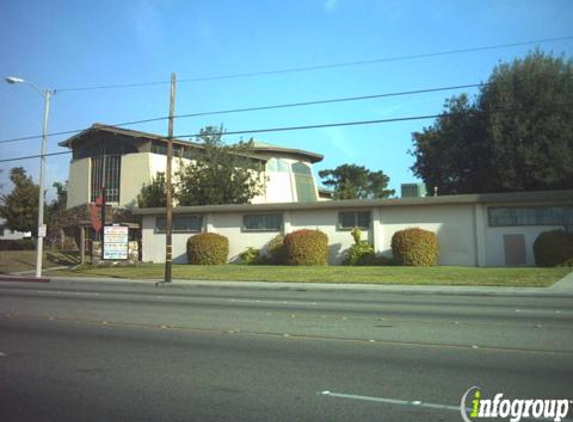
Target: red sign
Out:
[96,213]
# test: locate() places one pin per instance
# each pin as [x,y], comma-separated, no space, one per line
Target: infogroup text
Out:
[514,409]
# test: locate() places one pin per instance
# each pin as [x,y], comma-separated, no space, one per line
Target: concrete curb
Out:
[563,288]
[24,279]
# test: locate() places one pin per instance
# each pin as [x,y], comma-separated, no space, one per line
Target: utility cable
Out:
[316,126]
[261,108]
[320,67]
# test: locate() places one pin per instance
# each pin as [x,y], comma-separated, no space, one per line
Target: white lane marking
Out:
[3,355]
[273,302]
[541,311]
[61,292]
[415,403]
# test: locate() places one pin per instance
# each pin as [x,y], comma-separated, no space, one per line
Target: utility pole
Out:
[169,199]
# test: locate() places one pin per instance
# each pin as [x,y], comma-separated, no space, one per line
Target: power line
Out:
[316,126]
[335,100]
[29,157]
[321,67]
[69,132]
[268,107]
[363,122]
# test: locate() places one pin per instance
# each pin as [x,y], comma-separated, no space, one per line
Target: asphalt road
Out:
[88,352]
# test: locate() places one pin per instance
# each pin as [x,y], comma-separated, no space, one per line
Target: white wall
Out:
[339,240]
[7,234]
[153,244]
[230,225]
[453,224]
[495,251]
[135,172]
[464,236]
[79,182]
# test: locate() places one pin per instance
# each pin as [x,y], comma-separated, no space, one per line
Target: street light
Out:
[41,227]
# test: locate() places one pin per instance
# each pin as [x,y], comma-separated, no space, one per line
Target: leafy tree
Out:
[517,134]
[220,174]
[154,194]
[54,212]
[60,202]
[20,207]
[351,181]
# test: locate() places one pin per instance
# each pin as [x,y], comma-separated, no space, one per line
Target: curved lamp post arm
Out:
[41,227]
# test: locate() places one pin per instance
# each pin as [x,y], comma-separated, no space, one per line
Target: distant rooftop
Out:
[262,147]
[259,147]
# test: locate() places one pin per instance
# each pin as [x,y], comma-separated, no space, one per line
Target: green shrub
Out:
[361,253]
[275,251]
[415,247]
[306,247]
[552,248]
[251,256]
[207,249]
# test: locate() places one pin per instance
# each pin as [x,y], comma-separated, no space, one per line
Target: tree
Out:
[221,174]
[20,207]
[154,194]
[351,181]
[517,134]
[60,202]
[55,210]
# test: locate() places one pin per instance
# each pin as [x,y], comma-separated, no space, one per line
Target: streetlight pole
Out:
[46,94]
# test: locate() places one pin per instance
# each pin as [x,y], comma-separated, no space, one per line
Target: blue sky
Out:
[63,44]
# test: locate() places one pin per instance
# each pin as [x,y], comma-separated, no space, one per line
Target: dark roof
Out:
[259,147]
[127,132]
[558,196]
[262,147]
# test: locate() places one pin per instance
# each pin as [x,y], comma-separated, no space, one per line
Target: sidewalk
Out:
[563,288]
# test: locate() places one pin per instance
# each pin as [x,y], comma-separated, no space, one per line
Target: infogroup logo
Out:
[514,409]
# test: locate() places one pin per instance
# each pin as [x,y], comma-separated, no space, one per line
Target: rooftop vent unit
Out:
[413,190]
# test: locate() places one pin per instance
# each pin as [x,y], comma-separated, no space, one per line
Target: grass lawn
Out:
[15,261]
[530,277]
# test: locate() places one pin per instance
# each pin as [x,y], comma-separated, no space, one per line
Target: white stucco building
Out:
[128,159]
[473,230]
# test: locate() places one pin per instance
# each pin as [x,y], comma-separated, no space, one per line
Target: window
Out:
[272,165]
[106,169]
[181,223]
[304,182]
[347,220]
[262,222]
[530,216]
[179,151]
[282,166]
[277,165]
[301,168]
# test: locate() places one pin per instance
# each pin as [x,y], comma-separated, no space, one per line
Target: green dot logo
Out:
[474,409]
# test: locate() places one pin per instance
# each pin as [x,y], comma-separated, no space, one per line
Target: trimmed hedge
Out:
[415,247]
[207,249]
[17,244]
[306,247]
[552,248]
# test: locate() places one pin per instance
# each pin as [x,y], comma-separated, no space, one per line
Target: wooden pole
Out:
[82,245]
[169,204]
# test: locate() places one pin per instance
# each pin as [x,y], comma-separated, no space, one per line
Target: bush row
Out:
[410,247]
